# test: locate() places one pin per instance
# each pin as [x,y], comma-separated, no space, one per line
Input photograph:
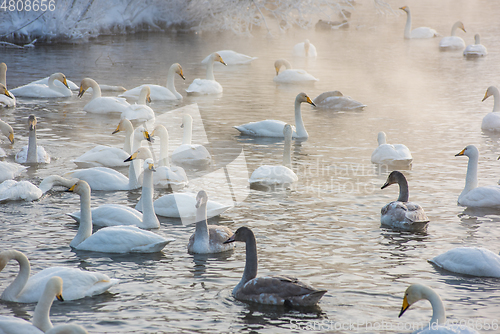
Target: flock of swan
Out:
[125,229]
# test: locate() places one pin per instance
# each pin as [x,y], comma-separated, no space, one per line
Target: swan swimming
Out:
[477,49]
[453,42]
[50,90]
[208,85]
[101,104]
[422,32]
[32,153]
[290,75]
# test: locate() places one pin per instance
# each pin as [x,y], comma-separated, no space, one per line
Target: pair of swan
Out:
[453,42]
[7,99]
[114,239]
[335,100]
[208,85]
[274,128]
[41,321]
[160,93]
[305,49]
[290,75]
[282,175]
[207,239]
[231,58]
[437,324]
[101,104]
[77,283]
[49,90]
[8,132]
[32,153]
[188,154]
[140,111]
[472,195]
[421,32]
[477,49]
[402,214]
[387,154]
[474,261]
[11,190]
[271,290]
[491,122]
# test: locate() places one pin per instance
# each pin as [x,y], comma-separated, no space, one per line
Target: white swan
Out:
[207,239]
[474,261]
[208,85]
[491,122]
[50,90]
[453,42]
[335,100]
[387,154]
[472,195]
[77,283]
[9,170]
[477,49]
[11,325]
[187,154]
[11,190]
[8,99]
[401,213]
[305,49]
[167,176]
[101,104]
[416,292]
[115,239]
[160,93]
[231,58]
[8,132]
[140,111]
[107,156]
[271,290]
[274,128]
[281,175]
[116,214]
[422,32]
[290,75]
[32,153]
[107,179]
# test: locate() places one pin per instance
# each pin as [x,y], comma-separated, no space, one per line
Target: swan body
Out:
[402,214]
[114,239]
[274,128]
[8,99]
[209,85]
[11,325]
[77,283]
[49,90]
[491,122]
[9,170]
[101,104]
[8,132]
[472,195]
[271,290]
[416,292]
[290,75]
[182,205]
[140,111]
[207,239]
[305,49]
[32,153]
[106,156]
[231,58]
[160,93]
[474,261]
[45,81]
[335,100]
[422,32]
[167,176]
[453,42]
[187,154]
[280,175]
[477,49]
[387,154]
[11,190]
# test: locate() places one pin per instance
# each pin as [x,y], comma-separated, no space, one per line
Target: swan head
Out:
[55,285]
[4,91]
[141,153]
[241,234]
[490,91]
[123,125]
[469,151]
[159,128]
[477,39]
[61,77]
[406,9]
[80,187]
[302,97]
[217,57]
[460,25]
[7,131]
[186,119]
[394,177]
[201,198]
[142,134]
[149,165]
[32,122]
[281,62]
[84,85]
[145,94]
[413,294]
[178,69]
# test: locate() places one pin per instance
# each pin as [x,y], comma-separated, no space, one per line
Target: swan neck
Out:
[142,97]
[471,177]
[32,147]
[408,25]
[299,123]
[210,69]
[96,90]
[41,316]
[51,181]
[85,228]
[3,76]
[170,79]
[438,311]
[496,100]
[15,288]
[133,174]
[404,193]
[164,141]
[188,133]
[287,152]
[201,234]
[148,211]
[51,82]
[454,28]
[477,39]
[250,271]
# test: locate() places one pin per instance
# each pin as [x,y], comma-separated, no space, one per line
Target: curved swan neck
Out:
[32,156]
[250,271]
[477,39]
[170,79]
[96,90]
[41,316]
[188,130]
[496,99]
[404,193]
[299,123]
[201,234]
[438,312]
[143,95]
[13,290]
[454,28]
[3,74]
[287,151]
[164,141]
[408,24]
[85,228]
[471,178]
[51,80]
[210,68]
[129,130]
[148,211]
[53,180]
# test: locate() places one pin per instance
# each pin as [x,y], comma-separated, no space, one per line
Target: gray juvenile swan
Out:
[271,290]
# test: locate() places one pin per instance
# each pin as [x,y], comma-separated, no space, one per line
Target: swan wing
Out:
[473,261]
[101,178]
[11,190]
[103,156]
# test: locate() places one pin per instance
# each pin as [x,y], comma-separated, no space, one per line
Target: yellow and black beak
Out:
[59,297]
[65,82]
[222,62]
[404,307]
[6,93]
[460,153]
[182,75]
[11,138]
[151,167]
[310,101]
[81,92]
[116,130]
[132,157]
[148,98]
[147,137]
[72,188]
[485,96]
